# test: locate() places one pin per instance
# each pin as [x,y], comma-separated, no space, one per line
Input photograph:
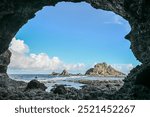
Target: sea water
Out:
[51,81]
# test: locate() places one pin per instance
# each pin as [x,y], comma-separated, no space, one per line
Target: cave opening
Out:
[15,14]
[72,36]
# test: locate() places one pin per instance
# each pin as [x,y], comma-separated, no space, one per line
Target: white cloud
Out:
[125,68]
[23,60]
[73,66]
[19,46]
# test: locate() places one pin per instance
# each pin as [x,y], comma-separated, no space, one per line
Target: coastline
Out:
[92,89]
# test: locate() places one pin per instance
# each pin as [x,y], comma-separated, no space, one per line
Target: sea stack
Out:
[102,69]
[64,73]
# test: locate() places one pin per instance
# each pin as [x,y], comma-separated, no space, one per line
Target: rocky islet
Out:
[102,69]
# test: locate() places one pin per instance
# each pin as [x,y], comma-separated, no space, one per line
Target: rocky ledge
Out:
[102,69]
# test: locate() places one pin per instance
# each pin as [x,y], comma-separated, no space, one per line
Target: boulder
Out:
[34,84]
[60,89]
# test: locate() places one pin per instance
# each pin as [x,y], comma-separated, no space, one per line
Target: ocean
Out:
[50,81]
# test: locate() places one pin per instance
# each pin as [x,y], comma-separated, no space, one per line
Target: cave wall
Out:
[15,13]
[4,62]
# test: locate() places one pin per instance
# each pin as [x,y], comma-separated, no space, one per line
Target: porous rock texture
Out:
[15,13]
[4,62]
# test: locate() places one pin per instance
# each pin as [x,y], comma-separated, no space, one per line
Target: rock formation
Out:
[136,85]
[4,62]
[60,89]
[15,13]
[34,84]
[54,74]
[64,73]
[102,69]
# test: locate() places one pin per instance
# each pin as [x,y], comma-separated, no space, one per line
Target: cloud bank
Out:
[125,68]
[23,60]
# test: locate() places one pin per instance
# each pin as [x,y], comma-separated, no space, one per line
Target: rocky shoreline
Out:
[128,89]
[34,90]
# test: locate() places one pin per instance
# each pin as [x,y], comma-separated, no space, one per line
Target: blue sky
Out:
[76,33]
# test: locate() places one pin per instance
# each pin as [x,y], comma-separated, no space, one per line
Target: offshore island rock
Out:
[64,73]
[102,69]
